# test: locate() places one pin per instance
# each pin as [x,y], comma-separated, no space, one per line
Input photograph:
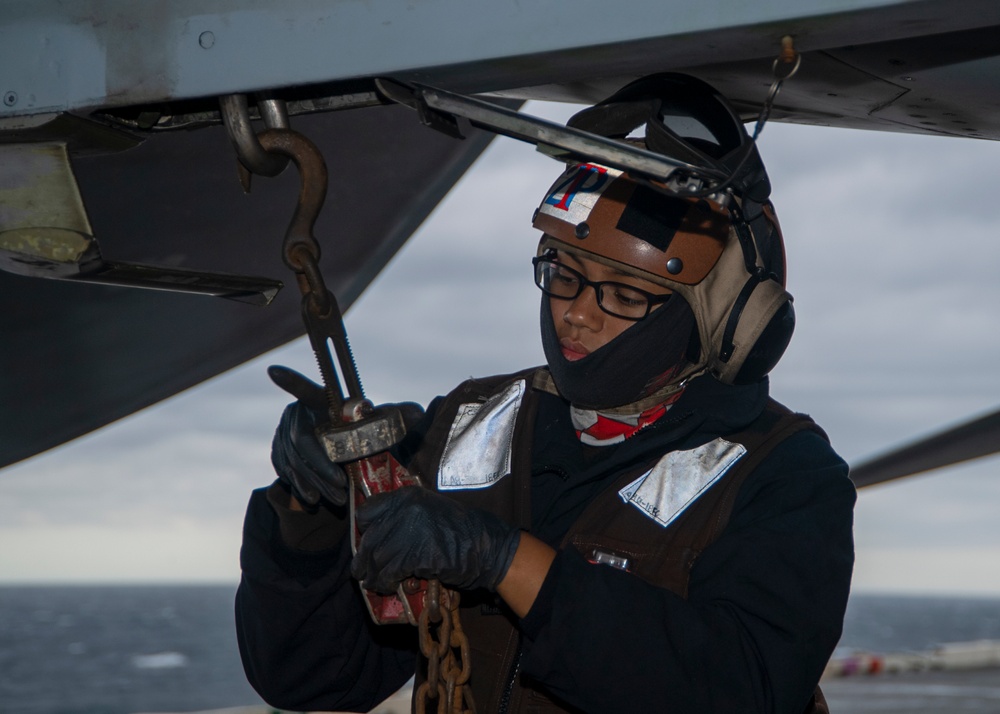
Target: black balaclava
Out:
[631,367]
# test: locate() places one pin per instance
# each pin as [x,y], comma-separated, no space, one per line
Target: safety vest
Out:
[654,526]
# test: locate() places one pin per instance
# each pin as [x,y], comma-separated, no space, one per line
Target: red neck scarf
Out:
[596,429]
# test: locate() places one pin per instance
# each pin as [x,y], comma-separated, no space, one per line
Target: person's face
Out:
[581,325]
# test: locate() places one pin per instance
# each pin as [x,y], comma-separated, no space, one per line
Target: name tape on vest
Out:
[478,451]
[679,478]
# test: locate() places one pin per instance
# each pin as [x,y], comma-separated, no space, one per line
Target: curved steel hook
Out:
[320,312]
[236,116]
[312,191]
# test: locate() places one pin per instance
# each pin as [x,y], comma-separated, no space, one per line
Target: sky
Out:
[893,259]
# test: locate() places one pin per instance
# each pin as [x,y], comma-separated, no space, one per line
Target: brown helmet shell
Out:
[602,212]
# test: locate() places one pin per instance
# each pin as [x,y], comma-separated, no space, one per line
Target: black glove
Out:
[296,454]
[417,532]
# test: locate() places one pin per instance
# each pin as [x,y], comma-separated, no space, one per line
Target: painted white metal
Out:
[57,55]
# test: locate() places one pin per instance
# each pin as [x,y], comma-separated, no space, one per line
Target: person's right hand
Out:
[296,454]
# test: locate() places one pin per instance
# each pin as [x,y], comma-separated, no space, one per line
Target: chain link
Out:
[444,644]
[314,287]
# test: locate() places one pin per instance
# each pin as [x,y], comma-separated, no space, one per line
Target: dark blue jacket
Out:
[762,613]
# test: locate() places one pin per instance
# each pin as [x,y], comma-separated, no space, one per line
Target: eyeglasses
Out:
[617,299]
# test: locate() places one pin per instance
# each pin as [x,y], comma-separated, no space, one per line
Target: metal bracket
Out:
[560,142]
[45,233]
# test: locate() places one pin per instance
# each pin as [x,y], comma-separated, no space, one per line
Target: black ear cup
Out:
[769,347]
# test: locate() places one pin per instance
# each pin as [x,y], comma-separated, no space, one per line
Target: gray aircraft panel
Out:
[72,56]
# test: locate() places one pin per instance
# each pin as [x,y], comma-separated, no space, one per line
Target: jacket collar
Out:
[707,409]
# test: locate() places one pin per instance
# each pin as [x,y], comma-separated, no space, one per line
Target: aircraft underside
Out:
[121,100]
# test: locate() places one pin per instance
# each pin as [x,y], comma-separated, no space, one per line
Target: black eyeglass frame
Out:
[583,283]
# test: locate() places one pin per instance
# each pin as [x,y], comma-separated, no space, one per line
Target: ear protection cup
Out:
[762,320]
[769,347]
[756,334]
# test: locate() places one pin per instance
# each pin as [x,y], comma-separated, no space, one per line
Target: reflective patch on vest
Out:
[679,478]
[478,451]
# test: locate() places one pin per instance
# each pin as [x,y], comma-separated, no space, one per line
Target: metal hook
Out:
[253,157]
[320,312]
[785,65]
[300,246]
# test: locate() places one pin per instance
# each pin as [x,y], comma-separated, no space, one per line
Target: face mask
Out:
[632,366]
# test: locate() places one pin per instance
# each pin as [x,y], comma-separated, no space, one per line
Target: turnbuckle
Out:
[357,434]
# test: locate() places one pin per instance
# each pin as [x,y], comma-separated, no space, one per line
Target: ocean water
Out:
[122,650]
[119,650]
[884,623]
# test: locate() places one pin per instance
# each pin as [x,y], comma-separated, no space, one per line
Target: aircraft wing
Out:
[77,356]
[131,90]
[969,440]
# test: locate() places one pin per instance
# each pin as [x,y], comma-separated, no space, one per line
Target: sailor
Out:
[636,526]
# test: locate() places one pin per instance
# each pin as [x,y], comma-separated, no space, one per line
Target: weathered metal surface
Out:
[43,224]
[45,233]
[111,53]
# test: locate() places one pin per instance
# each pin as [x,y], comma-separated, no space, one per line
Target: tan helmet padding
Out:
[712,301]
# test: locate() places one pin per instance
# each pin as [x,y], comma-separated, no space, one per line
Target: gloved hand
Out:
[296,454]
[417,532]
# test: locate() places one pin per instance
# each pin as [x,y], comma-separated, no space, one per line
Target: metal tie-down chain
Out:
[442,640]
[441,637]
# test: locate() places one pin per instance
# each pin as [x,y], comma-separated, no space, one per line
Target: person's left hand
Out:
[417,532]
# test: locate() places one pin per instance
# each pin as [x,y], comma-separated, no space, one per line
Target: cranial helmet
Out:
[721,251]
